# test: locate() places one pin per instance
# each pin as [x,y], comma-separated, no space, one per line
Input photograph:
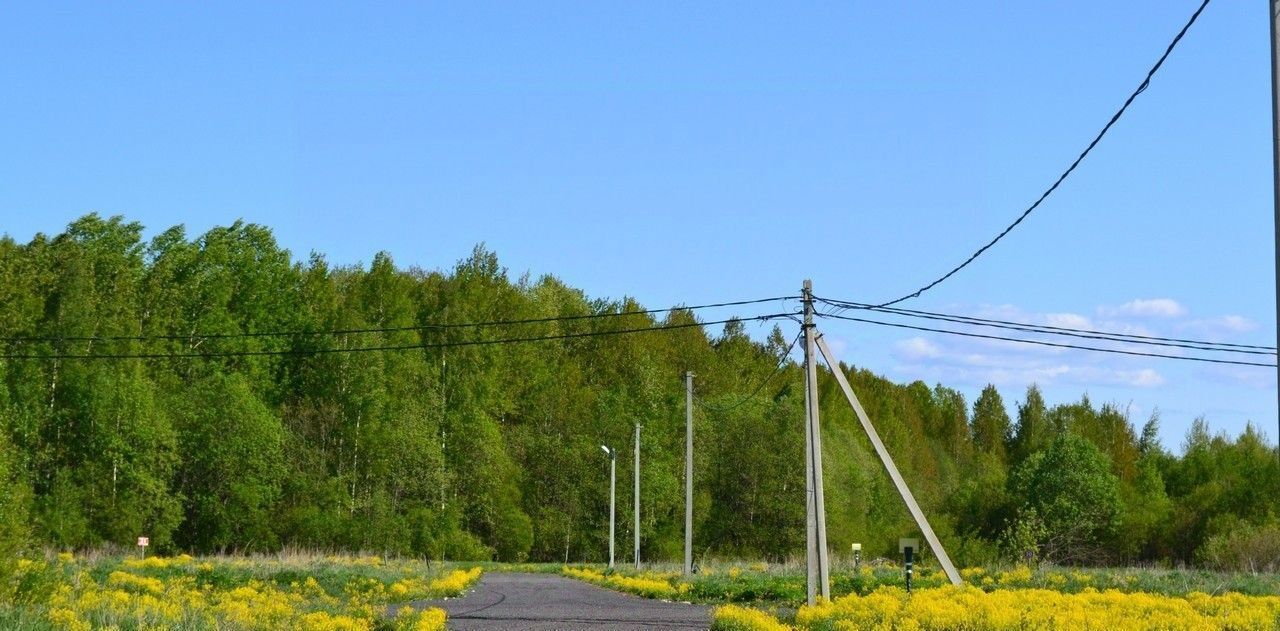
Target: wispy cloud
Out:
[1146,308]
[1221,325]
[964,362]
[917,348]
[971,361]
[1190,389]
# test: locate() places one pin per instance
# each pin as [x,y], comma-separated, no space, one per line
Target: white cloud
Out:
[1253,378]
[917,348]
[1239,324]
[1226,323]
[978,361]
[1145,378]
[1146,307]
[1068,320]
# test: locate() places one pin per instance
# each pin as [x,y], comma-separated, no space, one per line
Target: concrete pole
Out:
[1275,172]
[810,524]
[688,473]
[636,500]
[914,508]
[815,437]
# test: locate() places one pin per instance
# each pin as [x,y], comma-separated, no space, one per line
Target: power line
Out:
[364,349]
[1044,343]
[1150,340]
[423,327]
[782,361]
[1146,82]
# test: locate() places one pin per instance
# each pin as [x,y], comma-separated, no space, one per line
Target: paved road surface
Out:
[545,601]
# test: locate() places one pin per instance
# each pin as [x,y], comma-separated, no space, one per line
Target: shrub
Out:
[1244,548]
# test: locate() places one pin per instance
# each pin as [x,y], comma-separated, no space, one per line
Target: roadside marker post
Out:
[908,548]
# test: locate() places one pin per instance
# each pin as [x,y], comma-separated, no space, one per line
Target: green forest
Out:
[197,426]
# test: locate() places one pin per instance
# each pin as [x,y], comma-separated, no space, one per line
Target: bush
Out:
[1068,502]
[14,508]
[1244,548]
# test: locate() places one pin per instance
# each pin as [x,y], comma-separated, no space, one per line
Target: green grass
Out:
[784,586]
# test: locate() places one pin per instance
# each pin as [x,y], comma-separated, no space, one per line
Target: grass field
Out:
[760,596]
[314,592]
[291,591]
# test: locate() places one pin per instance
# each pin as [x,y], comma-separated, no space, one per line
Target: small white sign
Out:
[144,542]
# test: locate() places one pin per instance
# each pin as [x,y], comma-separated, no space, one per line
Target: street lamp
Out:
[613,487]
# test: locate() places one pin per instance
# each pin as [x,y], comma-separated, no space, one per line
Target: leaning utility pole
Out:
[817,532]
[817,506]
[688,473]
[1275,172]
[636,499]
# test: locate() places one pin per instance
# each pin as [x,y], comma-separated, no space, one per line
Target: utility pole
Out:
[814,448]
[810,520]
[613,484]
[688,473]
[636,500]
[1275,172]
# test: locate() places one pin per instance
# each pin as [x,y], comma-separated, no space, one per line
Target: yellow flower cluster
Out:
[425,620]
[648,585]
[454,583]
[180,597]
[735,618]
[890,608]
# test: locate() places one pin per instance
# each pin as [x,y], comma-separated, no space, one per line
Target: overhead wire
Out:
[1046,343]
[417,327]
[1128,338]
[777,368]
[390,347]
[1142,87]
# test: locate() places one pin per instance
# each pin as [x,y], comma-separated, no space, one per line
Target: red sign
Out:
[144,542]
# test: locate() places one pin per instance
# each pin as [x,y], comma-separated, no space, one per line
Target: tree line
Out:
[223,441]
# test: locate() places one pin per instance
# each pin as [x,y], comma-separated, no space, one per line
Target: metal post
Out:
[1275,172]
[636,500]
[909,551]
[815,437]
[688,473]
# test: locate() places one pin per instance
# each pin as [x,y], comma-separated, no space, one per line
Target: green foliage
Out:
[991,426]
[260,442]
[232,453]
[1069,490]
[1244,547]
[14,507]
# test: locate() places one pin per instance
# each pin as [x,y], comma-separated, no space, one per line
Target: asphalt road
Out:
[546,601]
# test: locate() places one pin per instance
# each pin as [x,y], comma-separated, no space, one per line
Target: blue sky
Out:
[692,152]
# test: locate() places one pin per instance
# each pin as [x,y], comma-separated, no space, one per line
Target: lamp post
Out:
[635,499]
[613,486]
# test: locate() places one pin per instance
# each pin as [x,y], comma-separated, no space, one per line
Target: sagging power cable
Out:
[1146,82]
